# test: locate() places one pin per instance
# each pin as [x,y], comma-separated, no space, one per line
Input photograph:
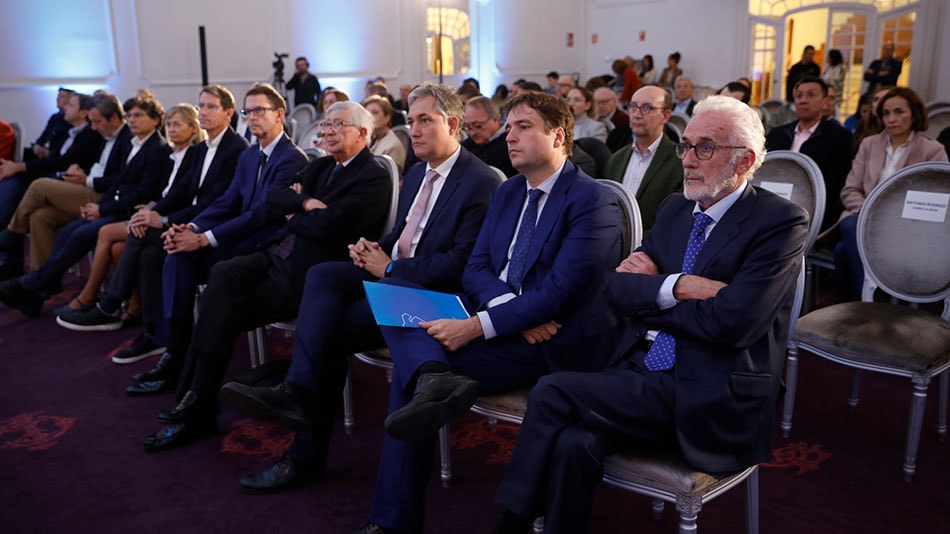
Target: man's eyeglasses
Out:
[703,151]
[645,109]
[469,126]
[135,115]
[255,112]
[334,126]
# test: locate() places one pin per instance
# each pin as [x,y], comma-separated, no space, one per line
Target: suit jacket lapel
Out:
[551,213]
[726,229]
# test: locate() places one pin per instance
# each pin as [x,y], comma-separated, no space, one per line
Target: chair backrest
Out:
[17,140]
[937,105]
[597,150]
[400,117]
[795,177]
[304,114]
[305,139]
[678,122]
[631,227]
[290,126]
[904,235]
[501,175]
[402,133]
[313,153]
[937,120]
[390,166]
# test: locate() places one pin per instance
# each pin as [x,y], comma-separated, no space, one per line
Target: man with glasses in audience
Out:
[607,110]
[441,207]
[330,204]
[236,223]
[705,304]
[486,136]
[647,167]
[140,265]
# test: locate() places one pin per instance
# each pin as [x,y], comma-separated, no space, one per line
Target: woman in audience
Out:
[384,141]
[647,71]
[873,126]
[903,116]
[183,132]
[501,94]
[582,104]
[329,97]
[672,70]
[834,75]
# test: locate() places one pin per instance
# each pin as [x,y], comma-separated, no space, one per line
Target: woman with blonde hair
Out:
[384,141]
[183,132]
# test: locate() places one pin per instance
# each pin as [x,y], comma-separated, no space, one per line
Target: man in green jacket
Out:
[648,166]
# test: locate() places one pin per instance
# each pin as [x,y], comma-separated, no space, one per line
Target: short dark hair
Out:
[481,101]
[553,74]
[152,107]
[529,86]
[835,57]
[737,87]
[301,58]
[918,109]
[85,101]
[808,48]
[268,91]
[108,105]
[472,81]
[553,110]
[223,94]
[813,79]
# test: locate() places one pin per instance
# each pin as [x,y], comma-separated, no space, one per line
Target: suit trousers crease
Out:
[334,322]
[73,241]
[574,421]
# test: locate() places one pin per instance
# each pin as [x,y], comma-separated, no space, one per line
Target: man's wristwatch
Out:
[389,270]
[164,220]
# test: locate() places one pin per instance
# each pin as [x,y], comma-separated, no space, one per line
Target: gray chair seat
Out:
[877,334]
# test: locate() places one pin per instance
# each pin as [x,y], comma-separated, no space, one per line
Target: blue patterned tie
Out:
[662,355]
[519,254]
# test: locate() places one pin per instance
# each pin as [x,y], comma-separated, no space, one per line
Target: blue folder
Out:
[407,306]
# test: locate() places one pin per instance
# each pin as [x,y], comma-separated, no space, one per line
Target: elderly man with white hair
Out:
[706,302]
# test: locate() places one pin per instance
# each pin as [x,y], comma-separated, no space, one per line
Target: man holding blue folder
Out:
[537,279]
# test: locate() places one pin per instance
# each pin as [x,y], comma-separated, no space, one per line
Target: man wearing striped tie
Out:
[328,205]
[706,301]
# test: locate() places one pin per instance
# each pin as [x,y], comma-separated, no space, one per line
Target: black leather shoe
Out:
[284,474]
[283,404]
[153,387]
[161,371]
[181,412]
[11,270]
[438,398]
[173,436]
[14,295]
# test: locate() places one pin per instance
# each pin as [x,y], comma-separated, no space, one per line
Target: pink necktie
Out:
[415,218]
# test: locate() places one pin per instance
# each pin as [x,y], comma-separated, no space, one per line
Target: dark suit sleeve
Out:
[83,152]
[216,183]
[439,265]
[589,219]
[285,201]
[759,275]
[154,168]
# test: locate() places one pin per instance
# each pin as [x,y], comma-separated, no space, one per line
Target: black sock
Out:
[512,523]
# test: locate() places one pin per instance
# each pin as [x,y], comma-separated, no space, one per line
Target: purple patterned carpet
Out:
[71,458]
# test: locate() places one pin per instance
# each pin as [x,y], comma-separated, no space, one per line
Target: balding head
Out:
[646,125]
[564,84]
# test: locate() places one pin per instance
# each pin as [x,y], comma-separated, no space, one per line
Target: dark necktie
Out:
[404,244]
[519,254]
[662,355]
[286,247]
[260,168]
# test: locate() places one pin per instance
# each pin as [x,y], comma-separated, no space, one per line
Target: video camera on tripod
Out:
[278,65]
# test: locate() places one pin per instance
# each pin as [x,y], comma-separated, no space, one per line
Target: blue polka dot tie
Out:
[662,355]
[519,254]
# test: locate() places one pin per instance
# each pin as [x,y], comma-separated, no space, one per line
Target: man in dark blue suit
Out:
[141,177]
[207,178]
[706,302]
[335,320]
[538,279]
[332,203]
[236,223]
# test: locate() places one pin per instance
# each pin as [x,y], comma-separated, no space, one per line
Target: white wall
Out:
[122,45]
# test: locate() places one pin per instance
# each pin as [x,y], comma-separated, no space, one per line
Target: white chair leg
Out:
[348,403]
[752,502]
[256,346]
[917,402]
[855,387]
[657,508]
[538,526]
[689,511]
[942,408]
[791,383]
[445,448]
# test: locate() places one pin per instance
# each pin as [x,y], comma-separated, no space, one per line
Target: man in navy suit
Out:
[331,204]
[706,302]
[236,223]
[335,320]
[142,175]
[538,280]
[211,170]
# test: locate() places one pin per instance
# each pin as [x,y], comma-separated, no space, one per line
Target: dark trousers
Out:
[849,271]
[73,241]
[334,321]
[501,364]
[140,265]
[573,422]
[242,293]
[11,191]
